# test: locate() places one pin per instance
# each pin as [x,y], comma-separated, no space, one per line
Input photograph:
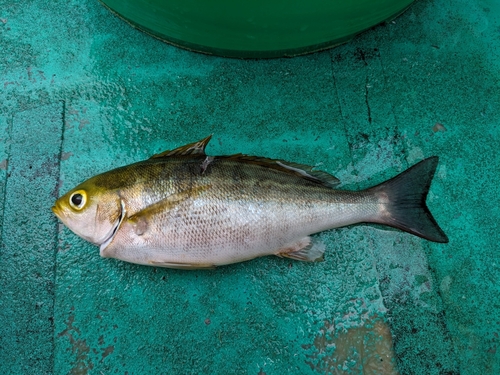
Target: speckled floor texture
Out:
[82,92]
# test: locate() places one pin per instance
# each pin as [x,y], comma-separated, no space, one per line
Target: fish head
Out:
[91,212]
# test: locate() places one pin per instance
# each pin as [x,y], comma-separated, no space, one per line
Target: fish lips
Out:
[57,211]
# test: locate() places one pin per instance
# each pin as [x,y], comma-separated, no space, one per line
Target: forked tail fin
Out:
[404,206]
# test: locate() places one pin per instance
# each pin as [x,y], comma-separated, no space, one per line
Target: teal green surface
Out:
[82,92]
[29,236]
[256,28]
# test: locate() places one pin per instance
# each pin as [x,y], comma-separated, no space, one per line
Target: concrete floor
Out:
[82,92]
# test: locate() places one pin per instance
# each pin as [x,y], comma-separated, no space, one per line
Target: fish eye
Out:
[78,199]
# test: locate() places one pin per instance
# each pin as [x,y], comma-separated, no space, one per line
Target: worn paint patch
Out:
[366,349]
[107,351]
[438,128]
[78,347]
[66,155]
[84,356]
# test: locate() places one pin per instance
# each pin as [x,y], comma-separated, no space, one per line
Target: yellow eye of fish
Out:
[78,199]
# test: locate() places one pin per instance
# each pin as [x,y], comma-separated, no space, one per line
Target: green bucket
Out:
[255,28]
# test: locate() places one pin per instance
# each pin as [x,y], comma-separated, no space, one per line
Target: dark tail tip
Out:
[406,194]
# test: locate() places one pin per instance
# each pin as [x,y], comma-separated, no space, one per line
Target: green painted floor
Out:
[82,92]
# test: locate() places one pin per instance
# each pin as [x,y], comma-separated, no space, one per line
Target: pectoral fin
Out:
[141,220]
[306,249]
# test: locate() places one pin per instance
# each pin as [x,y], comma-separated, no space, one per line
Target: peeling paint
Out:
[66,155]
[79,348]
[84,356]
[107,351]
[365,349]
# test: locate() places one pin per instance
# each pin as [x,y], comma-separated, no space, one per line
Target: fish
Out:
[185,209]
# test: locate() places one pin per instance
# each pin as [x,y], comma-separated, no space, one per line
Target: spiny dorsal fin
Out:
[300,170]
[196,148]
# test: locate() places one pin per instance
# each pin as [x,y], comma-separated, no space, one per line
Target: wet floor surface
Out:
[82,92]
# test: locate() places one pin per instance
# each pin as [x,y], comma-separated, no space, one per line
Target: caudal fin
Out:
[405,195]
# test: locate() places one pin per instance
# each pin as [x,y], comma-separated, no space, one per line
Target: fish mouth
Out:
[114,230]
[56,210]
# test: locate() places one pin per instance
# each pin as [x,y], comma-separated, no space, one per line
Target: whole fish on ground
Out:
[184,209]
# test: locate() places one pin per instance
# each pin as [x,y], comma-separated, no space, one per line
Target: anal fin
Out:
[183,266]
[306,249]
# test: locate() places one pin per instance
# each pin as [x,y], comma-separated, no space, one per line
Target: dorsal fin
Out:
[300,170]
[195,148]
